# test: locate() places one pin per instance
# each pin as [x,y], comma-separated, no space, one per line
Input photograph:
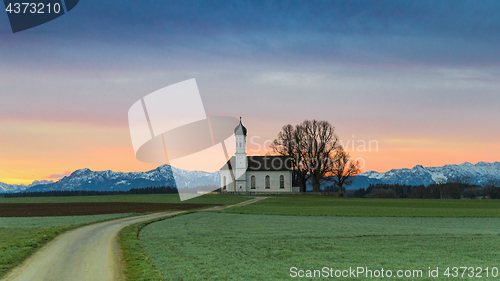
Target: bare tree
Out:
[455,187]
[320,142]
[493,188]
[287,144]
[342,168]
[310,144]
[440,182]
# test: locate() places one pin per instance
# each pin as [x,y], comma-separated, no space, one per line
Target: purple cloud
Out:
[59,176]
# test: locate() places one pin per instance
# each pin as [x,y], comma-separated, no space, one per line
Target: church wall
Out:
[229,181]
[260,181]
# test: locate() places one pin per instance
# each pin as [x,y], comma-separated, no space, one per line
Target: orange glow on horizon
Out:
[34,151]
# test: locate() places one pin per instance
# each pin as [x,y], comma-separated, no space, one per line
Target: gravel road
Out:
[87,253]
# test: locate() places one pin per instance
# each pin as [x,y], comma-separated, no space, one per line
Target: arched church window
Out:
[282,181]
[268,182]
[252,182]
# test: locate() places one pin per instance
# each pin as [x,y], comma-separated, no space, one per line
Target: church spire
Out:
[240,129]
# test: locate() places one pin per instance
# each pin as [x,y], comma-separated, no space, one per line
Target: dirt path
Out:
[87,253]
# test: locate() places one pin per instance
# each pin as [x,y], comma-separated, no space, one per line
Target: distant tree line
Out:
[146,190]
[201,188]
[456,188]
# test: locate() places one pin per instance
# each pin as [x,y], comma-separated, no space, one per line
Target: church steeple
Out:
[240,129]
[240,134]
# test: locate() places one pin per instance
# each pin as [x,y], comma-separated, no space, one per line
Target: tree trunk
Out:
[302,186]
[316,186]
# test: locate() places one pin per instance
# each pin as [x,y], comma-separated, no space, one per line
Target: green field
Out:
[332,206]
[263,241]
[146,198]
[137,264]
[217,246]
[21,237]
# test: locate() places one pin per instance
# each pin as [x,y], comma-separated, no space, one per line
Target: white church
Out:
[256,174]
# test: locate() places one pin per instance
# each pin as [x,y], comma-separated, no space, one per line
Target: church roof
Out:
[264,163]
[240,129]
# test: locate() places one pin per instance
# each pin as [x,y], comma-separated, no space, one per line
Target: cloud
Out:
[59,176]
[367,32]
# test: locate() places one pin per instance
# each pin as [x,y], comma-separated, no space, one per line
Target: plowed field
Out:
[88,208]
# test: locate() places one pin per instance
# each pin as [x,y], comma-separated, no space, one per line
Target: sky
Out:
[419,80]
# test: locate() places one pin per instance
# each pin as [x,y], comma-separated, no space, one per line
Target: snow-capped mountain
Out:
[85,179]
[5,188]
[418,175]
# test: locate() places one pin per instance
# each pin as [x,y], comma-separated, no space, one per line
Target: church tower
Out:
[240,132]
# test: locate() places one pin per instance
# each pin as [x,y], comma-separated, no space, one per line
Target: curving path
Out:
[87,253]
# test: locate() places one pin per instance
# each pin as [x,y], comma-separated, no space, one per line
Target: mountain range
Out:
[418,175]
[6,188]
[85,179]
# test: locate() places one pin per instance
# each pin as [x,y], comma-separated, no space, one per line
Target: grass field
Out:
[262,241]
[137,264]
[331,206]
[222,246]
[21,237]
